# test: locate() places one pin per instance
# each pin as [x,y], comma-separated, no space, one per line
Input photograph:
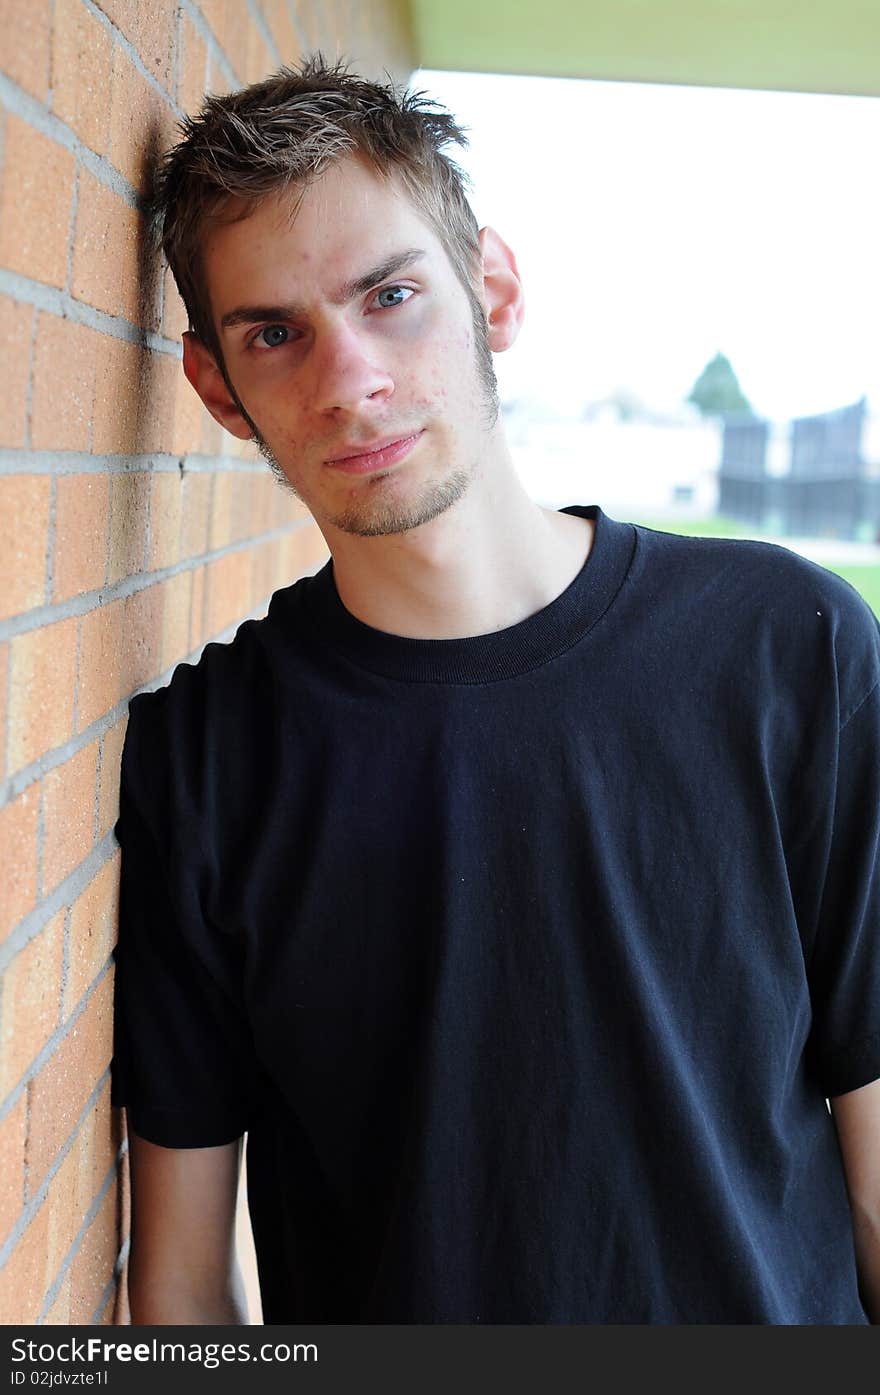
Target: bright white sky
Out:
[654,225]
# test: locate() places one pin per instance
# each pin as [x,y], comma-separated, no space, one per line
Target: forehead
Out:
[297,244]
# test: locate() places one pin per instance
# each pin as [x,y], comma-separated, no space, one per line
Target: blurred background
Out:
[700,349]
[690,191]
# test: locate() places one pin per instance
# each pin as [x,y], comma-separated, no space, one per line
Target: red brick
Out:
[31,1001]
[4,683]
[218,84]
[260,503]
[283,31]
[211,442]
[81,55]
[141,122]
[12,1141]
[129,510]
[305,549]
[142,626]
[69,815]
[24,502]
[58,1094]
[65,1218]
[43,665]
[221,511]
[227,591]
[99,1140]
[134,400]
[230,446]
[82,507]
[64,383]
[124,15]
[266,563]
[35,204]
[92,1267]
[245,490]
[259,61]
[105,1318]
[108,776]
[100,663]
[310,14]
[284,507]
[197,611]
[188,417]
[25,55]
[109,261]
[157,30]
[175,620]
[155,427]
[16,322]
[214,14]
[192,66]
[230,24]
[284,574]
[59,1313]
[24,1277]
[18,839]
[91,932]
[117,392]
[164,519]
[195,508]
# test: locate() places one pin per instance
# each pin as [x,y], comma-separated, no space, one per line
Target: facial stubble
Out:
[373,519]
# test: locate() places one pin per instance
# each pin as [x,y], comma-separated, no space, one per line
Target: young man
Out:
[513,885]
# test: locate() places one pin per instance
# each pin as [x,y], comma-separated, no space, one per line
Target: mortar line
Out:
[73,1249]
[30,1209]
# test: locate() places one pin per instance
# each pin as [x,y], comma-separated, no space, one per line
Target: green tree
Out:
[717,389]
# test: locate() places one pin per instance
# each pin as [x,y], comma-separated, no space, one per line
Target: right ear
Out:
[201,369]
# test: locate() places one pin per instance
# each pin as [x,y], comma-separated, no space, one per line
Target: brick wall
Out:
[134,530]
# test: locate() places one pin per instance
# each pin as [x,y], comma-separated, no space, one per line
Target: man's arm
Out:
[857,1117]
[182,1266]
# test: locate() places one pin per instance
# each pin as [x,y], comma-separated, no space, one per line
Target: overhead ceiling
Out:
[787,45]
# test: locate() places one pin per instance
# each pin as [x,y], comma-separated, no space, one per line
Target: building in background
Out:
[631,459]
[817,476]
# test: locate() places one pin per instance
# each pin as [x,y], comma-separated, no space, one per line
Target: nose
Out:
[346,371]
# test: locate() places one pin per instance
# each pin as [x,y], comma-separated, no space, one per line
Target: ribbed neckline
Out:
[489,657]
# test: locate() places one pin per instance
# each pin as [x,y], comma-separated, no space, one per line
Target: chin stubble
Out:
[387,517]
[384,518]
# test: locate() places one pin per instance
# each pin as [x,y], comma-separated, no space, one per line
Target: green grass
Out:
[717,527]
[865,578]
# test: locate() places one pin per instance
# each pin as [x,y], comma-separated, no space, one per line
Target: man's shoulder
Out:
[742,564]
[198,742]
[226,673]
[775,596]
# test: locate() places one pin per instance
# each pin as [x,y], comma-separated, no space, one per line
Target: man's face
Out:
[344,328]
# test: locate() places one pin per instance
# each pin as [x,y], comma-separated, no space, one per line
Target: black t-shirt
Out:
[526,960]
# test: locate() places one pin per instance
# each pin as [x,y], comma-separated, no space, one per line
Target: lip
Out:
[386,454]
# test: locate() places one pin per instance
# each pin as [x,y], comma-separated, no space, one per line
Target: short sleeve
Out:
[844,970]
[182,1052]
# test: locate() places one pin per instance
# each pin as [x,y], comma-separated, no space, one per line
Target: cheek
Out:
[448,371]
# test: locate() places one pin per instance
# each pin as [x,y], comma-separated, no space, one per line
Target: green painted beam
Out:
[786,45]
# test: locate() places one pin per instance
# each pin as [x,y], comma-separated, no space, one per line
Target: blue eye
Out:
[393,291]
[273,336]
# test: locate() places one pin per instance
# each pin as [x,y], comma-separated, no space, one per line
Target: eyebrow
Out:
[349,290]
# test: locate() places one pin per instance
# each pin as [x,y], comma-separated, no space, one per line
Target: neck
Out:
[489,561]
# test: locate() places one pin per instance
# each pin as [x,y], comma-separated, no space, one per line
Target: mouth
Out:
[388,453]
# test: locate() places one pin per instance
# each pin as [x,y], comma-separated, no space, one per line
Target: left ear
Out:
[502,291]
